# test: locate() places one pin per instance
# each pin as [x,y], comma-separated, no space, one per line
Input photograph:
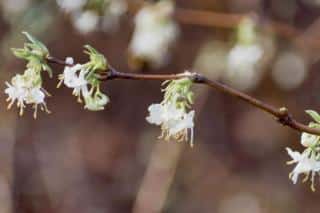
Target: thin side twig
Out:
[215,19]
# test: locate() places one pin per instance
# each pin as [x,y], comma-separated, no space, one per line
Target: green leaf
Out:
[315,116]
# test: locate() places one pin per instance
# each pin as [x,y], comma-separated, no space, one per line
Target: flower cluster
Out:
[155,31]
[27,88]
[84,79]
[171,114]
[307,162]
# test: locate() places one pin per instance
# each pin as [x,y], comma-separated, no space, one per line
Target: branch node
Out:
[284,117]
[109,74]
[197,78]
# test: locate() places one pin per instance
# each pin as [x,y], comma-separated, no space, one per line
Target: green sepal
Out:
[190,97]
[179,92]
[97,60]
[47,68]
[21,53]
[35,52]
[314,115]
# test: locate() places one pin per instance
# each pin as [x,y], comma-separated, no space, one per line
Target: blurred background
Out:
[75,160]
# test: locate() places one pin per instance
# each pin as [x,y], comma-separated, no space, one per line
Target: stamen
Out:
[305,179]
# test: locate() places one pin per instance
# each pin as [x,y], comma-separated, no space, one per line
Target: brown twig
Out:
[206,18]
[281,114]
[231,20]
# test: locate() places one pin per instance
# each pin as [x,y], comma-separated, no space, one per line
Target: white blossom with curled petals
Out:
[175,123]
[172,113]
[74,77]
[306,163]
[26,89]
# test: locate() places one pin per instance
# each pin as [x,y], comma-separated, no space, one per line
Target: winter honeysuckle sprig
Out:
[27,88]
[307,162]
[85,81]
[172,113]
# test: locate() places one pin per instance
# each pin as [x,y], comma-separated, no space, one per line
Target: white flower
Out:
[244,58]
[309,140]
[175,123]
[70,76]
[160,113]
[35,96]
[16,92]
[154,34]
[80,84]
[86,22]
[71,5]
[306,163]
[74,77]
[96,102]
[185,122]
[26,90]
[243,65]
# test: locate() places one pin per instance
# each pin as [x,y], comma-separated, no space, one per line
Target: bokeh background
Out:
[74,160]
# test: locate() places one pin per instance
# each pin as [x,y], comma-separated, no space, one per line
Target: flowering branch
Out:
[173,114]
[282,115]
